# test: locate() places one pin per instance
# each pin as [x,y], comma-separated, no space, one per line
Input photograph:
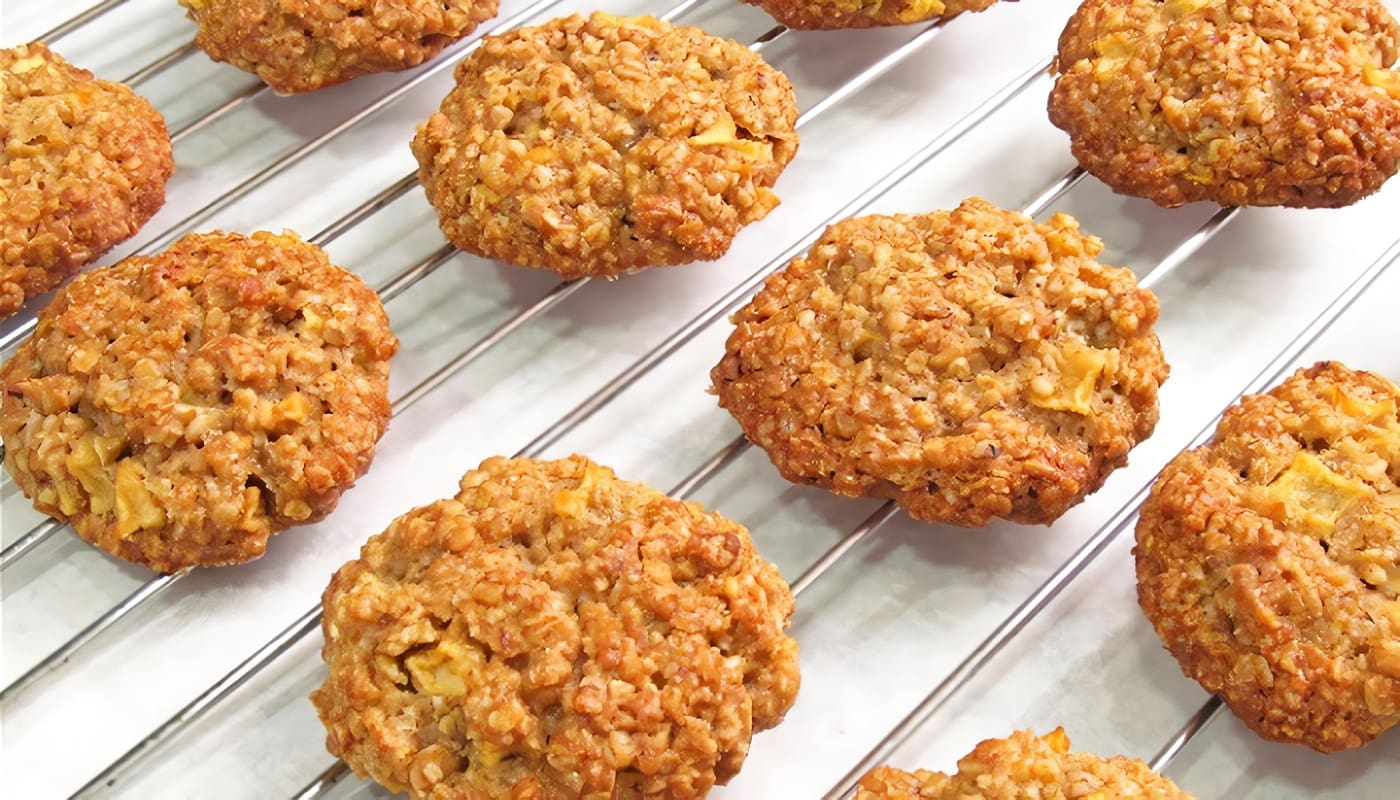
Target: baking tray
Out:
[917,640]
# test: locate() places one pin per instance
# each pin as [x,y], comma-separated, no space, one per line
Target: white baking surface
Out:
[878,631]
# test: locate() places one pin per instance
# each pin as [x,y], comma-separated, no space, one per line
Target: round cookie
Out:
[310,44]
[1240,102]
[554,631]
[1023,766]
[179,409]
[1268,560]
[968,365]
[830,14]
[84,166]
[596,146]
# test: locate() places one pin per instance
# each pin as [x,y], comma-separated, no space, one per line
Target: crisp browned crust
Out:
[1021,767]
[1243,102]
[553,631]
[829,14]
[600,145]
[179,409]
[1269,559]
[969,364]
[84,166]
[303,45]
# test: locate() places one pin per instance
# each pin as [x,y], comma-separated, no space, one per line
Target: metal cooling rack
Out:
[917,640]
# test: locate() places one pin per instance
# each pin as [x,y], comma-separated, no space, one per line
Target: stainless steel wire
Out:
[1181,738]
[28,541]
[305,624]
[135,600]
[160,64]
[1099,541]
[76,22]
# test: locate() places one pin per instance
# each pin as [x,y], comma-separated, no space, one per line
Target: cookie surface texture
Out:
[1268,560]
[179,409]
[1240,102]
[554,631]
[84,166]
[1020,767]
[596,146]
[968,364]
[304,45]
[830,14]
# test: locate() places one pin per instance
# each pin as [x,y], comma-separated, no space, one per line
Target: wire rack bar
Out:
[308,622]
[59,31]
[1179,740]
[160,64]
[1188,248]
[240,675]
[28,541]
[1096,544]
[879,517]
[135,600]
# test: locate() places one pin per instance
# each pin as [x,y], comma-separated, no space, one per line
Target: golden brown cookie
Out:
[303,45]
[179,409]
[829,14]
[1241,102]
[84,167]
[1024,767]
[1268,560]
[600,145]
[553,631]
[968,364]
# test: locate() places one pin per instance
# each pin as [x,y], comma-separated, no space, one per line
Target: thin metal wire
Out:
[215,694]
[365,210]
[133,601]
[1051,195]
[1096,544]
[160,64]
[324,782]
[211,116]
[77,22]
[28,541]
[401,282]
[1179,740]
[1188,248]
[308,622]
[880,516]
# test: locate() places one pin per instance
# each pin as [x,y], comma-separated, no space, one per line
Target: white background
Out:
[878,631]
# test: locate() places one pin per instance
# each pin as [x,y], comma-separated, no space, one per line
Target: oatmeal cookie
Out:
[84,166]
[1269,559]
[304,45]
[1241,102]
[829,14]
[179,409]
[600,145]
[1021,767]
[969,364]
[553,631]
